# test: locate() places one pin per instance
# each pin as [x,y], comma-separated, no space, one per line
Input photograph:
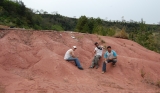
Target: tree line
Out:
[146,35]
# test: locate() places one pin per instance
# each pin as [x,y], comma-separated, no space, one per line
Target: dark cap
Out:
[108,47]
[95,43]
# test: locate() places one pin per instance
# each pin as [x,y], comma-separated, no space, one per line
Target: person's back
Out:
[67,54]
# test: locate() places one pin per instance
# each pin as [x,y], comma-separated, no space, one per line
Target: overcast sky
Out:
[149,10]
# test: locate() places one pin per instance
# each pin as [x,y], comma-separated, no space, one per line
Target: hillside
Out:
[32,62]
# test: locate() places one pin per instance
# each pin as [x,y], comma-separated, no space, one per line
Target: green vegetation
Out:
[146,35]
[16,14]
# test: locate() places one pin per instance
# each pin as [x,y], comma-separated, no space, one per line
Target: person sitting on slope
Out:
[69,56]
[98,53]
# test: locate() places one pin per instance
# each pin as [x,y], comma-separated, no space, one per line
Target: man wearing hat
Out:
[69,56]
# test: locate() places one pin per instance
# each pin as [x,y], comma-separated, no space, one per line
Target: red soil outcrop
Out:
[32,62]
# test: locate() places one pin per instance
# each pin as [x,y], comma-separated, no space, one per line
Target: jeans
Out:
[95,60]
[108,61]
[75,60]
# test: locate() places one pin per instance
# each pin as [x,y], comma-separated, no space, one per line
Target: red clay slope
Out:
[32,62]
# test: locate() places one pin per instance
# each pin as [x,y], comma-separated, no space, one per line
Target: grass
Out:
[79,37]
[30,78]
[102,41]
[158,83]
[143,73]
[105,47]
[148,80]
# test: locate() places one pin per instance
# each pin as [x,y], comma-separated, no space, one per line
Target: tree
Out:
[22,8]
[1,2]
[81,23]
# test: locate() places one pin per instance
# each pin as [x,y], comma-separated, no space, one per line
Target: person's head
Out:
[74,48]
[109,48]
[96,44]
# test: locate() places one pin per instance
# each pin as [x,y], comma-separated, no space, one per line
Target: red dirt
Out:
[32,62]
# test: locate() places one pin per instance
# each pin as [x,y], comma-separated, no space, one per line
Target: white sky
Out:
[149,10]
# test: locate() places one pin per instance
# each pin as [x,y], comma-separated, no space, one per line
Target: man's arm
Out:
[72,53]
[115,55]
[105,57]
[94,52]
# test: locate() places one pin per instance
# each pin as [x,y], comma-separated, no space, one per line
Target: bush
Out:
[57,27]
[122,34]
[111,31]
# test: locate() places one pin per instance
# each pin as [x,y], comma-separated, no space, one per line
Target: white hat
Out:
[74,47]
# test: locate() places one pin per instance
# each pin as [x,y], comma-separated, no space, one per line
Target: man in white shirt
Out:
[110,56]
[69,56]
[98,53]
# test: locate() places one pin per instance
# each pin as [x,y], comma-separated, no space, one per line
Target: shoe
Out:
[90,67]
[80,68]
[97,67]
[103,72]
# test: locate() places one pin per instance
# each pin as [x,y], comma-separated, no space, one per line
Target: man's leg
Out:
[104,67]
[114,62]
[109,61]
[96,60]
[93,62]
[76,62]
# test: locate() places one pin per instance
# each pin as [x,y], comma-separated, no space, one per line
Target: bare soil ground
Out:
[32,62]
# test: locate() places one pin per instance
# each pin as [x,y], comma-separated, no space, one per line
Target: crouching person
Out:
[110,56]
[69,56]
